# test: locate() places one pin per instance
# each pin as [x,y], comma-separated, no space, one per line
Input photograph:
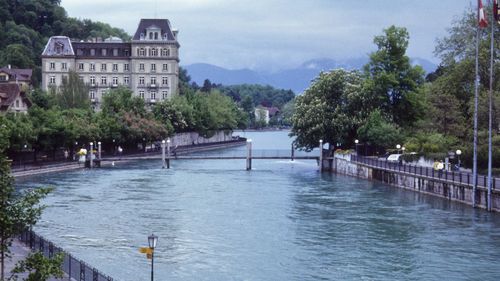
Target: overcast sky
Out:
[279,34]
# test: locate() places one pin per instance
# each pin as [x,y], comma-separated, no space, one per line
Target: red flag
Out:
[482,15]
[495,10]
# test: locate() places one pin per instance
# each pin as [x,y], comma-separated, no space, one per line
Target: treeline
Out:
[25,27]
[63,119]
[391,102]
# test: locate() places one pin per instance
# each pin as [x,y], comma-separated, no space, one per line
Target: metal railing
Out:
[450,176]
[75,268]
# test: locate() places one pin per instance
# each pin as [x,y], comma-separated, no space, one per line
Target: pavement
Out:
[19,252]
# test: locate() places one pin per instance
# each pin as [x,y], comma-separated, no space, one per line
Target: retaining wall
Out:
[454,191]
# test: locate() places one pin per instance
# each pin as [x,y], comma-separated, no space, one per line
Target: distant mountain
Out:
[297,79]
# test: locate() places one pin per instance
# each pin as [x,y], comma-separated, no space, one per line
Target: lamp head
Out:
[152,240]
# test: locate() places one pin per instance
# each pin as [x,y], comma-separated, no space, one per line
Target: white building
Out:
[148,65]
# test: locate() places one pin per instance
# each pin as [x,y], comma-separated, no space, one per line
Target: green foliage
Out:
[328,110]
[261,95]
[392,84]
[18,56]
[17,211]
[41,268]
[379,132]
[431,144]
[72,93]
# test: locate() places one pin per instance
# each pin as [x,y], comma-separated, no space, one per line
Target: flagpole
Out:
[492,55]
[476,89]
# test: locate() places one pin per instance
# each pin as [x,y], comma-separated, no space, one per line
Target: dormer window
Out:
[165,36]
[151,36]
[59,47]
[142,36]
[156,35]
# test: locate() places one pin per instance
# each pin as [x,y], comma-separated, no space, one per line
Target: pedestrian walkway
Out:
[19,252]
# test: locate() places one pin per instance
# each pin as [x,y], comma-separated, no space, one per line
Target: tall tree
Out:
[393,85]
[73,93]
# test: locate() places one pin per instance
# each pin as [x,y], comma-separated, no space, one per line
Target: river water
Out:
[281,221]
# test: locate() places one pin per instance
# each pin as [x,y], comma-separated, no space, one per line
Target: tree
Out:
[392,84]
[17,211]
[72,93]
[328,110]
[207,86]
[41,268]
[379,132]
[18,56]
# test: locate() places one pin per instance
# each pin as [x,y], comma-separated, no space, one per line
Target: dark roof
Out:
[82,49]
[273,110]
[163,24]
[8,93]
[18,73]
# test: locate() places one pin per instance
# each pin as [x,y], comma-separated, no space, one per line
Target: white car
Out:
[394,158]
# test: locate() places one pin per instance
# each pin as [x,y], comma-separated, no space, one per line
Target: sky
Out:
[274,35]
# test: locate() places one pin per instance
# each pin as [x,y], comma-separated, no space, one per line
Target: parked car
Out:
[395,158]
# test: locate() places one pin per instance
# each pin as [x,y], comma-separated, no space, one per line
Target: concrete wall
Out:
[194,138]
[437,187]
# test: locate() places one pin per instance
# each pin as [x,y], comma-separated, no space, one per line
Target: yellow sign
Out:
[145,250]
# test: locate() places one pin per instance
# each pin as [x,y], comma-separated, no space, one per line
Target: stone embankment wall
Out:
[193,138]
[454,191]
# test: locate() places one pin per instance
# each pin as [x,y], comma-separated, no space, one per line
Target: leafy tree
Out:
[18,56]
[17,211]
[392,84]
[328,110]
[72,93]
[287,112]
[207,86]
[39,267]
[379,132]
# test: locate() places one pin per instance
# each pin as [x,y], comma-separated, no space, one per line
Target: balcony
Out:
[114,85]
[92,85]
[94,100]
[152,101]
[153,86]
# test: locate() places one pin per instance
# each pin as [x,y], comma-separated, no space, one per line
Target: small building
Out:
[13,99]
[16,76]
[262,115]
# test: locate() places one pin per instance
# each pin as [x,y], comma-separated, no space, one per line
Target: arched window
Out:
[156,35]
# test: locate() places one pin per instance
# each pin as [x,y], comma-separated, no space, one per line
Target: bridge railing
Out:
[256,153]
[75,268]
[453,176]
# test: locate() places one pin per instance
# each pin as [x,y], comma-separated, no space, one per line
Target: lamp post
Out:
[356,142]
[398,147]
[458,152]
[403,149]
[163,154]
[99,149]
[152,240]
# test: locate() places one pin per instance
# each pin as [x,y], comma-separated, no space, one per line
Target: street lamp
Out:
[403,149]
[356,142]
[398,147]
[152,240]
[458,152]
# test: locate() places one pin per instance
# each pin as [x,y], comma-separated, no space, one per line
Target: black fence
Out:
[75,268]
[451,176]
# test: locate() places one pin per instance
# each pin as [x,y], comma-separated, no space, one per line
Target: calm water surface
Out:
[281,221]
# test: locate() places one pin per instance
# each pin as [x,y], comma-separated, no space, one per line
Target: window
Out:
[104,52]
[80,66]
[115,67]
[164,80]
[103,67]
[165,67]
[141,80]
[151,36]
[125,67]
[153,95]
[164,95]
[153,67]
[92,52]
[115,52]
[52,80]
[165,52]
[125,52]
[92,67]
[141,66]
[115,80]
[64,66]
[92,95]
[141,94]
[17,103]
[142,36]
[3,78]
[142,52]
[154,52]
[103,80]
[52,66]
[125,80]
[156,35]
[153,80]
[92,80]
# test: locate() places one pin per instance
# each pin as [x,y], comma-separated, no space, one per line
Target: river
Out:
[281,221]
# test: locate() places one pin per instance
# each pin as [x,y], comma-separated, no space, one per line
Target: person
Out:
[66,155]
[435,165]
[440,167]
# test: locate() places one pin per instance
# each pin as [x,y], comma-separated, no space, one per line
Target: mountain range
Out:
[296,79]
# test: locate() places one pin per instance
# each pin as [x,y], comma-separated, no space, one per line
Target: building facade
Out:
[148,64]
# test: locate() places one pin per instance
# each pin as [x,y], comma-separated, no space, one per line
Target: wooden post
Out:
[163,154]
[293,153]
[320,155]
[168,153]
[91,154]
[249,154]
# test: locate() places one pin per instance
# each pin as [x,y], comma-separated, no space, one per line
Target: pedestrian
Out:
[440,167]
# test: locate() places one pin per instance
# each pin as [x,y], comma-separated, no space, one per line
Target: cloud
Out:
[278,34]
